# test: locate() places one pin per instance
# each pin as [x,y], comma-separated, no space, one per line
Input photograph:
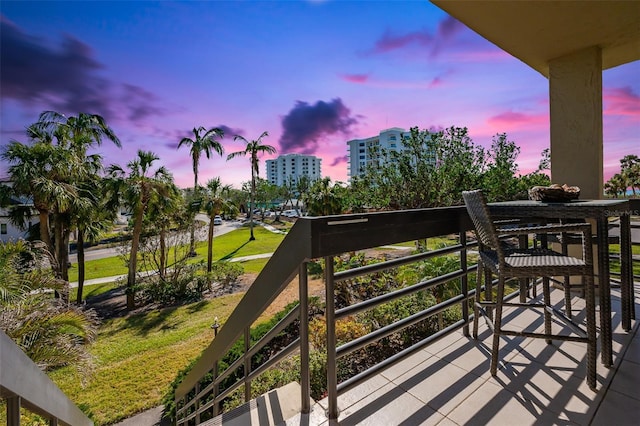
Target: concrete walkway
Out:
[111,279]
[152,417]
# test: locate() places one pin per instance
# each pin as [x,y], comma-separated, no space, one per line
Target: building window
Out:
[3,228]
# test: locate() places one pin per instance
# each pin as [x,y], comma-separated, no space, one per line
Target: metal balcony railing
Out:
[23,384]
[198,399]
[324,238]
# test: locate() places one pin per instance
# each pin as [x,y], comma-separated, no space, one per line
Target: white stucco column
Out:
[575,98]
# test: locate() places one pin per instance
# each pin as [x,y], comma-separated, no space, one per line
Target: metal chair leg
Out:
[547,301]
[497,328]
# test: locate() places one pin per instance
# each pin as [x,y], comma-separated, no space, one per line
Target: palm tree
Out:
[324,199]
[51,333]
[91,223]
[164,211]
[137,189]
[50,170]
[215,202]
[201,142]
[252,148]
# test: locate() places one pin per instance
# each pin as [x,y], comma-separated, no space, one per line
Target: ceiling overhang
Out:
[537,32]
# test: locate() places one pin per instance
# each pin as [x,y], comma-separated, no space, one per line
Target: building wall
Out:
[363,152]
[10,232]
[293,166]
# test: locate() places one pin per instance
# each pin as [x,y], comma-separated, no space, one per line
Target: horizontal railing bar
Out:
[190,416]
[394,327]
[281,325]
[284,322]
[361,377]
[279,271]
[290,348]
[186,406]
[393,263]
[405,291]
[239,362]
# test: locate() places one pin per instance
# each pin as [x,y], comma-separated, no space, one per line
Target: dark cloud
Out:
[305,125]
[65,79]
[230,132]
[339,160]
[390,42]
[448,28]
[141,102]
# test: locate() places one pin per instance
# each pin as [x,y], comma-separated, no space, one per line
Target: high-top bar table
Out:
[600,211]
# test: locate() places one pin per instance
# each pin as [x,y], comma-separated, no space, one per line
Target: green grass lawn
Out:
[137,357]
[233,244]
[91,290]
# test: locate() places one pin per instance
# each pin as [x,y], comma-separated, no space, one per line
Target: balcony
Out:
[448,383]
[443,378]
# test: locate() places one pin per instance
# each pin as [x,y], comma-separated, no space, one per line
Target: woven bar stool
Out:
[507,262]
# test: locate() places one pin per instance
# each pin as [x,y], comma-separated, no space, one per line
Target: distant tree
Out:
[215,202]
[253,148]
[499,179]
[166,209]
[138,188]
[301,189]
[204,141]
[325,198]
[94,219]
[630,172]
[616,186]
[545,160]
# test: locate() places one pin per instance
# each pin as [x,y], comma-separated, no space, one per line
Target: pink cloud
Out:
[517,120]
[355,78]
[436,82]
[621,101]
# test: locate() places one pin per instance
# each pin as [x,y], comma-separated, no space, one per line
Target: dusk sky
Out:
[314,74]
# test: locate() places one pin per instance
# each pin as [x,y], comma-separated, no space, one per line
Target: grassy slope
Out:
[138,356]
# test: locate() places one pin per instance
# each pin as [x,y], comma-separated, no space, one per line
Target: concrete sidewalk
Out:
[111,279]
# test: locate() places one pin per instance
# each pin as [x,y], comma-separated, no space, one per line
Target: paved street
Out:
[99,253]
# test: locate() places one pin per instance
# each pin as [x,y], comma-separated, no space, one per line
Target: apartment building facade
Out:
[291,167]
[363,152]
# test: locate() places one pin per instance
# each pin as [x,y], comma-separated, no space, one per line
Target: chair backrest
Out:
[476,204]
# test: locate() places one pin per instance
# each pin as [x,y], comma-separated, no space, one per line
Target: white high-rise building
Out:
[362,152]
[293,166]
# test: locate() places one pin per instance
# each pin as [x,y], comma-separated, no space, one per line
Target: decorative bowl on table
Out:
[554,193]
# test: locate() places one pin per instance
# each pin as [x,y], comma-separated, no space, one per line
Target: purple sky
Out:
[314,74]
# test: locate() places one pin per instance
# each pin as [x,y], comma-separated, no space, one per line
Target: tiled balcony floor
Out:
[449,383]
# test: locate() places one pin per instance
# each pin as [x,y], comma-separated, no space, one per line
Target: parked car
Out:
[217,220]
